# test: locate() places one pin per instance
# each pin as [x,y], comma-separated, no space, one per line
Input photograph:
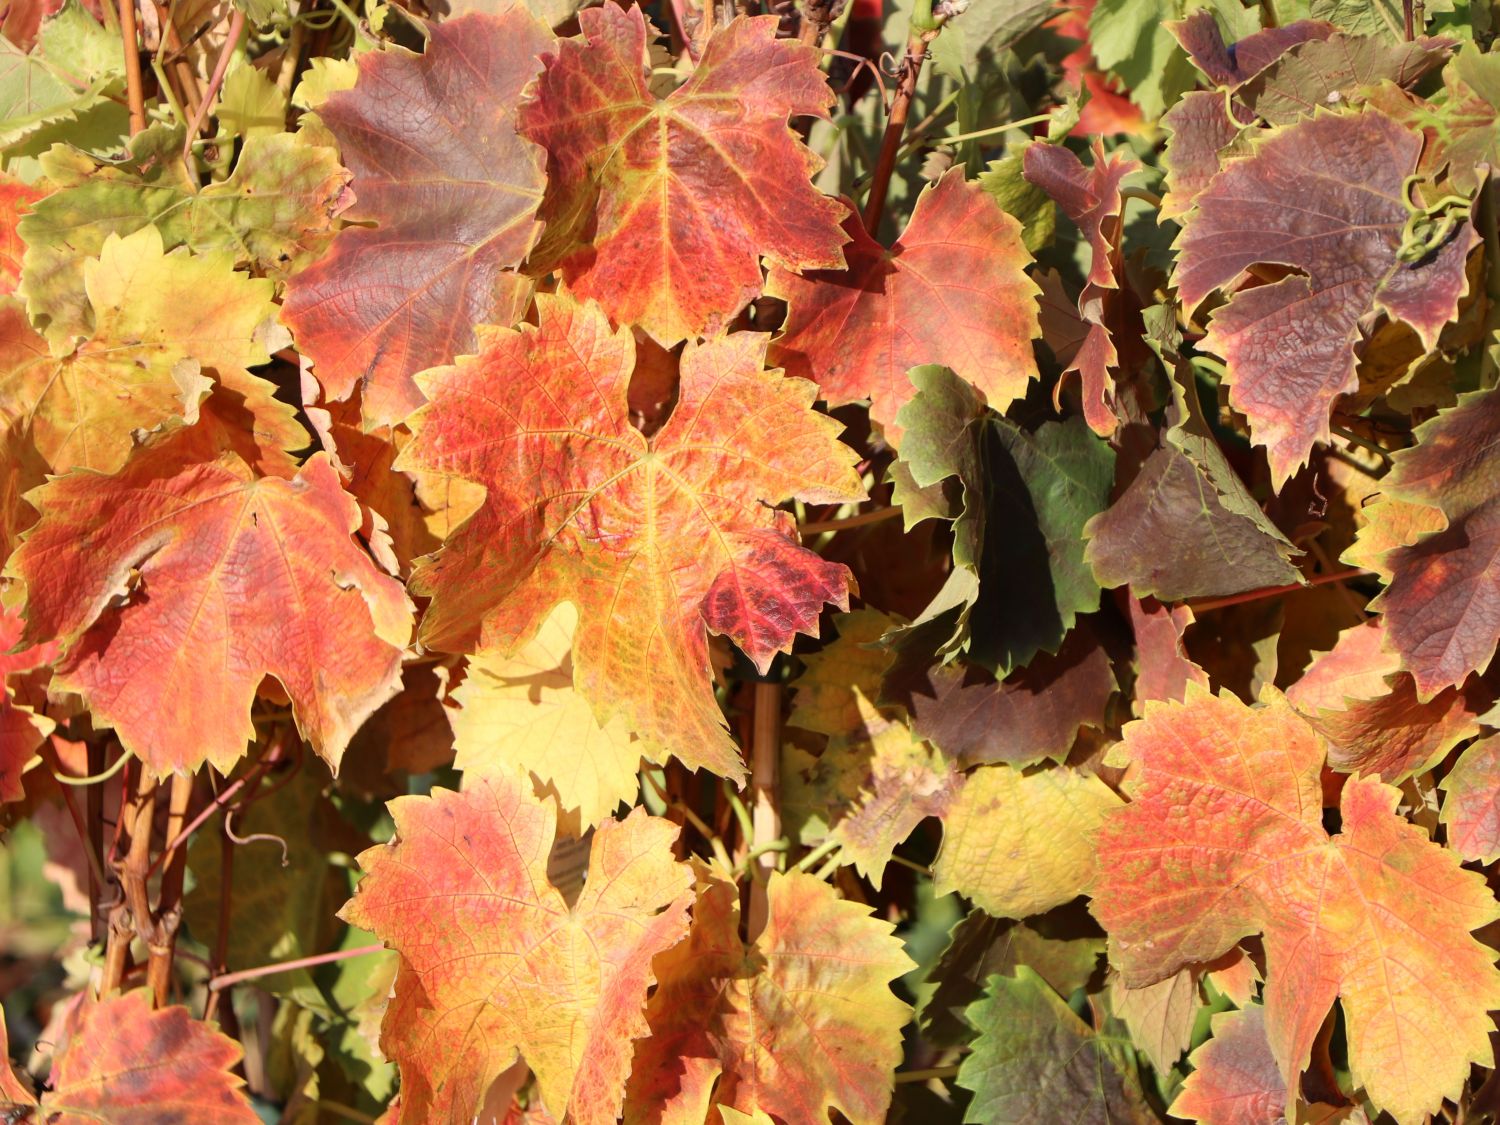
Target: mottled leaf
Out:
[657,541]
[452,190]
[952,291]
[198,551]
[1235,1079]
[1035,1060]
[661,210]
[1471,807]
[1377,914]
[494,963]
[1290,345]
[1432,536]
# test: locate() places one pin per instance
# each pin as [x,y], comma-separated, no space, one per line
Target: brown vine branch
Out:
[218,984]
[895,127]
[135,90]
[1206,604]
[765,787]
[817,527]
[215,81]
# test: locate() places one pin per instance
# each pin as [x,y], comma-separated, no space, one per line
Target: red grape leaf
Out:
[1433,536]
[662,209]
[21,729]
[1035,1060]
[1033,714]
[1320,73]
[1090,197]
[952,291]
[439,167]
[1471,807]
[1369,712]
[494,963]
[226,579]
[16,198]
[160,320]
[1235,1079]
[801,1019]
[1201,38]
[123,1063]
[1201,129]
[1377,914]
[1163,670]
[657,541]
[1290,345]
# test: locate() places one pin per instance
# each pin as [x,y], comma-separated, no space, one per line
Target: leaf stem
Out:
[94,779]
[895,126]
[228,979]
[810,860]
[925,1075]
[215,82]
[995,130]
[816,527]
[1363,442]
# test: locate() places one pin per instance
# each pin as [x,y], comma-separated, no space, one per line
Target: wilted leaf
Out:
[1020,843]
[495,965]
[952,291]
[801,1019]
[1290,345]
[1377,914]
[175,664]
[453,189]
[1035,1060]
[1432,536]
[661,210]
[656,541]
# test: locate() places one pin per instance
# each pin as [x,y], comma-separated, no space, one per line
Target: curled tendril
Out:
[1428,227]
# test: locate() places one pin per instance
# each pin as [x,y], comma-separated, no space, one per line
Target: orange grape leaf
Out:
[200,581]
[1471,805]
[1433,536]
[453,191]
[1368,709]
[160,321]
[953,291]
[801,1019]
[1019,843]
[121,1062]
[1376,915]
[656,541]
[16,1097]
[1235,1079]
[1290,345]
[494,963]
[1090,197]
[1163,670]
[22,730]
[521,714]
[16,198]
[661,210]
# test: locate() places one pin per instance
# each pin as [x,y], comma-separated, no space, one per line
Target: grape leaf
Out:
[656,541]
[521,714]
[1233,66]
[1160,1016]
[1290,345]
[1471,807]
[120,1061]
[1377,914]
[22,730]
[1090,197]
[159,321]
[1163,670]
[1201,130]
[274,212]
[495,965]
[453,190]
[661,210]
[952,291]
[1319,73]
[1235,1079]
[1368,709]
[16,199]
[833,693]
[1035,1060]
[1033,714]
[801,1019]
[1020,843]
[1432,536]
[200,550]
[1019,577]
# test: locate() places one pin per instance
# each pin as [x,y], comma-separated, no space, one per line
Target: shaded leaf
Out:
[656,541]
[1290,345]
[1035,1060]
[952,291]
[496,966]
[1232,66]
[453,190]
[1163,670]
[175,664]
[662,209]
[1377,914]
[1159,1016]
[1471,809]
